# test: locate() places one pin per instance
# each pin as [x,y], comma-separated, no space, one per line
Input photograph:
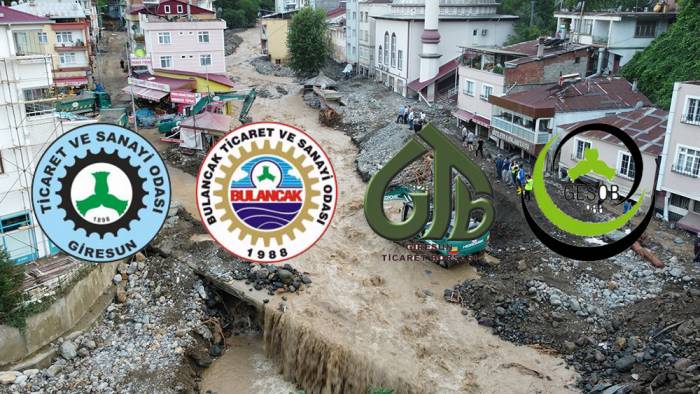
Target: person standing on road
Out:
[505,173]
[529,184]
[399,117]
[514,173]
[417,125]
[410,120]
[405,114]
[521,176]
[480,148]
[499,167]
[470,140]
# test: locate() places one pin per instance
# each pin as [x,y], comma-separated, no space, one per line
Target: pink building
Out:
[679,180]
[184,44]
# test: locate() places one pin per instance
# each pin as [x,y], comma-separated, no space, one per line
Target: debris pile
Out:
[263,66]
[231,41]
[140,343]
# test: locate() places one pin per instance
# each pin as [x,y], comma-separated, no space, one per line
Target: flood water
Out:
[244,369]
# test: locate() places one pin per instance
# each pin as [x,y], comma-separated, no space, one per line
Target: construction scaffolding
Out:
[29,126]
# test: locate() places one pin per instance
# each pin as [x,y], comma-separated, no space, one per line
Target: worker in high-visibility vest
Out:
[529,183]
[514,173]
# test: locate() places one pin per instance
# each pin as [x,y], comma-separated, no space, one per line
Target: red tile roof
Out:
[646,126]
[585,95]
[160,9]
[9,15]
[445,69]
[335,12]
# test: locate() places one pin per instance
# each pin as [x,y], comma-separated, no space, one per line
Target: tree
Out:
[307,41]
[238,13]
[11,296]
[673,56]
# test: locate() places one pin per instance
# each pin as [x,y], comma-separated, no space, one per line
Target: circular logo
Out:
[101,192]
[266,192]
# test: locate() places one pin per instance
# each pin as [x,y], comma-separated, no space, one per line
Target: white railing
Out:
[511,128]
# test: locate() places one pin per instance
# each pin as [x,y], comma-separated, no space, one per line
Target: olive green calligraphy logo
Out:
[448,158]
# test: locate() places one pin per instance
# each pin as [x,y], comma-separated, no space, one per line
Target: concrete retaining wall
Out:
[61,316]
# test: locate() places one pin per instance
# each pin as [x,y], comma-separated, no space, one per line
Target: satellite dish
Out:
[216,98]
[74,105]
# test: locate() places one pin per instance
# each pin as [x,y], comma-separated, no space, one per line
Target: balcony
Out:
[519,131]
[600,40]
[693,119]
[693,172]
[71,46]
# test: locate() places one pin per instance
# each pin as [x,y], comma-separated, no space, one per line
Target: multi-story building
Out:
[620,34]
[69,42]
[27,124]
[646,126]
[181,43]
[273,36]
[486,71]
[525,121]
[352,32]
[166,9]
[368,9]
[336,20]
[679,177]
[291,5]
[417,42]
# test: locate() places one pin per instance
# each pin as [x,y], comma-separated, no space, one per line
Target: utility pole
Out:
[532,12]
[131,89]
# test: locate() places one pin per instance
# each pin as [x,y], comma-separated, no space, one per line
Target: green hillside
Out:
[674,56]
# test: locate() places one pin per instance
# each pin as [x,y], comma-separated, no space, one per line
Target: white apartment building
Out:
[26,125]
[418,42]
[368,9]
[620,34]
[679,178]
[352,34]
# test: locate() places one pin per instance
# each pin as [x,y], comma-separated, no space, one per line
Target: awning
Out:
[445,69]
[70,81]
[690,222]
[208,122]
[468,116]
[148,94]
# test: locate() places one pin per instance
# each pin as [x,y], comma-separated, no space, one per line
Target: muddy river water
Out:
[364,319]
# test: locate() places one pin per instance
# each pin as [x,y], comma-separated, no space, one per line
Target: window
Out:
[66,58]
[476,32]
[645,29]
[386,48]
[205,60]
[12,223]
[2,168]
[687,161]
[469,88]
[393,49]
[64,37]
[692,112]
[484,32]
[354,15]
[696,206]
[679,201]
[626,167]
[399,60]
[37,101]
[164,37]
[581,147]
[486,91]
[203,36]
[166,61]
[43,38]
[166,8]
[586,27]
[379,55]
[180,10]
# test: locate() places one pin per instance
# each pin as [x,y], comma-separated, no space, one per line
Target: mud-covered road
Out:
[378,321]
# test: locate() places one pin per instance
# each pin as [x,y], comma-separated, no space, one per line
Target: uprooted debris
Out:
[263,66]
[231,41]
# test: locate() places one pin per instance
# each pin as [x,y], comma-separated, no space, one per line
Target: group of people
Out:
[513,174]
[415,120]
[470,139]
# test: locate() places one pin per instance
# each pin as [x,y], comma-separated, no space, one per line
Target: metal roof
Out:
[9,15]
[646,126]
[53,9]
